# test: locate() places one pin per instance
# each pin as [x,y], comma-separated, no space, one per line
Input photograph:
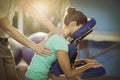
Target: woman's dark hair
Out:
[74,15]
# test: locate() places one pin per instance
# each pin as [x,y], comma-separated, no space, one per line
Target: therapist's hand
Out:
[42,49]
[56,31]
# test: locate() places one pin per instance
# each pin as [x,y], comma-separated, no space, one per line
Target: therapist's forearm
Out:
[18,36]
[47,23]
[14,33]
[40,17]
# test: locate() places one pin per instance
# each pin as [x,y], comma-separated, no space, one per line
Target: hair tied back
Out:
[71,10]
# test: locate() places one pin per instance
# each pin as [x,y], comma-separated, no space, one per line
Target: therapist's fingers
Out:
[44,49]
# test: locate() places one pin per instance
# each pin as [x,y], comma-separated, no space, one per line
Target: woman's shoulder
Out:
[56,36]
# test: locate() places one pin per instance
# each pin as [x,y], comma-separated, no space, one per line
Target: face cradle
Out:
[72,27]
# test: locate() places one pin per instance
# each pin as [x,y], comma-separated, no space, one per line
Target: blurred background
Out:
[105,38]
[103,44]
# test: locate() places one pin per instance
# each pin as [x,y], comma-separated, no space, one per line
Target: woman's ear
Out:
[73,24]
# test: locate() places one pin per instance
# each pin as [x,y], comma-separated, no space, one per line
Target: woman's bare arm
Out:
[64,63]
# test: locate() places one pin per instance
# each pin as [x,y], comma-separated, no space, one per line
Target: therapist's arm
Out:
[40,17]
[18,36]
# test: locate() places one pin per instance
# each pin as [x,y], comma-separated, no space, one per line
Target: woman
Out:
[40,65]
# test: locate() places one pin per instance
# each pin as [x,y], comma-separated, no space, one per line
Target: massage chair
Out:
[75,40]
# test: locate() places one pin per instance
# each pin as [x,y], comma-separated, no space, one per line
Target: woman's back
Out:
[40,65]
